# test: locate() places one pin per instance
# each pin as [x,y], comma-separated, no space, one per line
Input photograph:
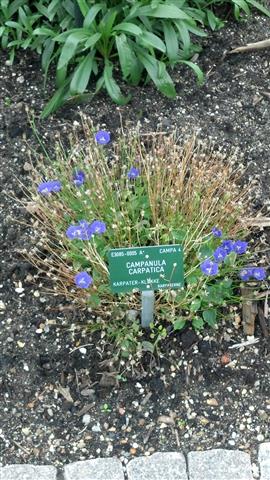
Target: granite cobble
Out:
[217,464]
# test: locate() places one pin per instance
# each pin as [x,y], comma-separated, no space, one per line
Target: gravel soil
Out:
[61,403]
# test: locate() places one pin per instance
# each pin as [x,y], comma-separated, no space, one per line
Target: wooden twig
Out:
[257,221]
[252,46]
[263,323]
[249,311]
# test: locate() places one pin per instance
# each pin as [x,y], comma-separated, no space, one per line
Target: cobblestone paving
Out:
[217,464]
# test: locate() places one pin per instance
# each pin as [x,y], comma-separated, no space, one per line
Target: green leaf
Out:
[48,45]
[171,41]
[195,305]
[70,47]
[127,57]
[56,101]
[162,11]
[83,6]
[184,35]
[210,316]
[196,69]
[230,259]
[44,31]
[112,87]
[243,5]
[128,27]
[82,75]
[158,73]
[95,300]
[152,40]
[92,13]
[93,40]
[179,324]
[148,346]
[259,7]
[197,323]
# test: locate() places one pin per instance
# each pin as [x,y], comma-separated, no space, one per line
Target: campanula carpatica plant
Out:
[130,193]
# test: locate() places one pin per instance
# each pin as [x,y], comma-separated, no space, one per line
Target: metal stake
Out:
[148,300]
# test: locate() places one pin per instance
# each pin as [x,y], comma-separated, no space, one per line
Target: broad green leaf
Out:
[61,74]
[158,73]
[152,40]
[195,305]
[48,32]
[197,323]
[242,4]
[93,40]
[230,259]
[184,34]
[70,47]
[127,57]
[128,27]
[82,75]
[92,13]
[260,7]
[83,6]
[162,11]
[171,41]
[56,101]
[179,324]
[148,346]
[112,87]
[210,316]
[106,24]
[196,69]
[49,45]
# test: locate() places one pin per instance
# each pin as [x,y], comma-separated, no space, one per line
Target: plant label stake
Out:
[146,269]
[148,301]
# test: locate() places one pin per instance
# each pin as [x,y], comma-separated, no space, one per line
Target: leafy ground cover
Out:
[194,396]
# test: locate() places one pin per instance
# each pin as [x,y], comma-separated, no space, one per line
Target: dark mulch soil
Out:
[205,403]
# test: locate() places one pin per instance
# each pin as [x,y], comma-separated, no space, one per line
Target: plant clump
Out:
[143,190]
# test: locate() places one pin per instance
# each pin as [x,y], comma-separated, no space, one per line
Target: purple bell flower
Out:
[83,280]
[219,254]
[209,268]
[45,188]
[216,232]
[79,178]
[102,137]
[97,227]
[133,173]
[240,247]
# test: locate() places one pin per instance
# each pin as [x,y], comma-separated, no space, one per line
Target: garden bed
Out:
[204,403]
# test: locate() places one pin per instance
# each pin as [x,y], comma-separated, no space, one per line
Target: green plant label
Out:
[146,268]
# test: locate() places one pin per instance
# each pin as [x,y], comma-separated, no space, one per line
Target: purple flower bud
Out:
[259,273]
[133,173]
[83,280]
[209,268]
[102,137]
[216,232]
[240,247]
[79,178]
[97,228]
[48,187]
[219,254]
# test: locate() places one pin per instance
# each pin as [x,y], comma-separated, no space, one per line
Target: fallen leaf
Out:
[65,392]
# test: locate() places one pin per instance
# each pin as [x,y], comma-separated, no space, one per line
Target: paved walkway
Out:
[217,464]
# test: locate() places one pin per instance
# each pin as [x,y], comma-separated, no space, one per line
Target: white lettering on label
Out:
[145,266]
[167,250]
